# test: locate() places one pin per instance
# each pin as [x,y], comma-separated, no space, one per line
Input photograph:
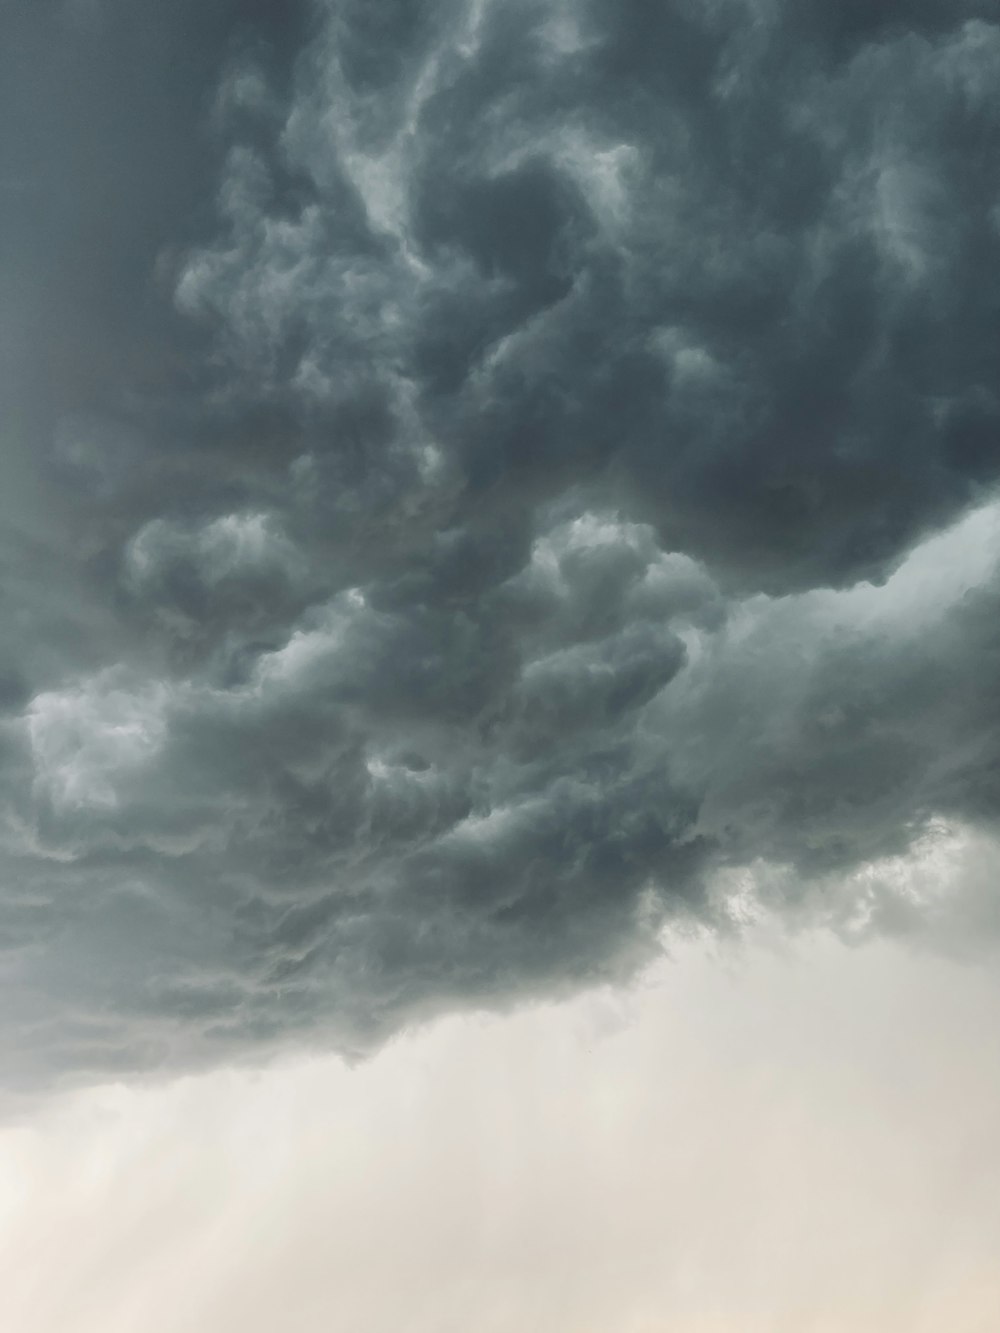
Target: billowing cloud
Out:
[506,473]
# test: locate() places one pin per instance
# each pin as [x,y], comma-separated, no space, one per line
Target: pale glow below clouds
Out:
[753,1139]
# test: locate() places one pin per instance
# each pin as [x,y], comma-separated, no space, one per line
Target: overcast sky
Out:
[489,489]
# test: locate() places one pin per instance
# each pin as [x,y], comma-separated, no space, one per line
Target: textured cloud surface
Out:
[485,480]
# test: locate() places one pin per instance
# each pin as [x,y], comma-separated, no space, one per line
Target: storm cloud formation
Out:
[481,474]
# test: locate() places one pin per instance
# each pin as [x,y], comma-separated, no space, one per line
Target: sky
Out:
[499,747]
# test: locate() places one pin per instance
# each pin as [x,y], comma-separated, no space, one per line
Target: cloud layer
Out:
[504,472]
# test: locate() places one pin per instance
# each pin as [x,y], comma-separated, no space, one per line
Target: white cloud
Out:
[88,740]
[744,1142]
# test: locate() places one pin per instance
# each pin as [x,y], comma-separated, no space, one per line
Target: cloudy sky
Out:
[499,729]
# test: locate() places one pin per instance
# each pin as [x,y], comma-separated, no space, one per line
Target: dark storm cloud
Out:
[451,443]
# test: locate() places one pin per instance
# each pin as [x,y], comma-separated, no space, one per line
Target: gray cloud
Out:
[464,476]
